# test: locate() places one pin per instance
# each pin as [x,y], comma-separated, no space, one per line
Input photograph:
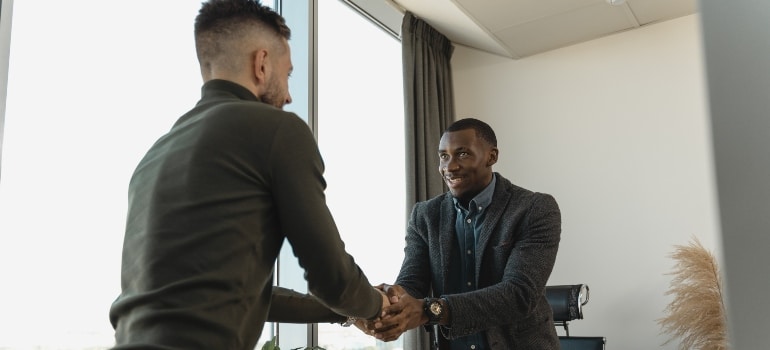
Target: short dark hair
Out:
[219,20]
[218,15]
[483,130]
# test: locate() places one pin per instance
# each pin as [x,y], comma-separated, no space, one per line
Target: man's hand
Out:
[402,315]
[385,302]
[367,326]
[394,292]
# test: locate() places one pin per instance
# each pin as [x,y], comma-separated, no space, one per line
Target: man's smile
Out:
[453,180]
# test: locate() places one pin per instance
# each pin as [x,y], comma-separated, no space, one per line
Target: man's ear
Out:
[493,153]
[261,66]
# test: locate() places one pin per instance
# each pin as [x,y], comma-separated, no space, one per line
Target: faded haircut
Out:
[483,130]
[222,24]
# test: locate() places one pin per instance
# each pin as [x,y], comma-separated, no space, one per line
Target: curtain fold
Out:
[428,103]
[429,109]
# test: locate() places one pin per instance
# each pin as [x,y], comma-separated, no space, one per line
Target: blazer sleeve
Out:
[415,275]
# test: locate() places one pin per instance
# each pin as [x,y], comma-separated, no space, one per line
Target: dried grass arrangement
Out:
[696,315]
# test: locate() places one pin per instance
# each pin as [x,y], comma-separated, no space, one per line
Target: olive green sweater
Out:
[210,205]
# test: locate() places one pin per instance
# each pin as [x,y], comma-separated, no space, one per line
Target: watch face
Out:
[435,308]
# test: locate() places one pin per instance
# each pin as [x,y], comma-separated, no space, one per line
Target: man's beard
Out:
[270,96]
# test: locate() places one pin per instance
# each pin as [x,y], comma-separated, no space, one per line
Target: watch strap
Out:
[434,310]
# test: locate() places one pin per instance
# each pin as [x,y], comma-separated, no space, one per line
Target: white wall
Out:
[617,129]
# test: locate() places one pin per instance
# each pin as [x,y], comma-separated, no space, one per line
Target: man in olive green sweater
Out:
[213,200]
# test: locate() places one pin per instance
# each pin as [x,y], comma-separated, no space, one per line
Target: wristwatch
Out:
[434,310]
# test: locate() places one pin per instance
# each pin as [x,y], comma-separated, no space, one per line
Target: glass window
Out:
[92,84]
[361,137]
[88,95]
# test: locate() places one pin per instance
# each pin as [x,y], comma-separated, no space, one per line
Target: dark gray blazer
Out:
[516,252]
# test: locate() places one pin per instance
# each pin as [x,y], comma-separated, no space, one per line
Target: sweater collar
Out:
[215,86]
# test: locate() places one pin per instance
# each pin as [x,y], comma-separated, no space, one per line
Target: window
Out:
[87,96]
[91,85]
[361,137]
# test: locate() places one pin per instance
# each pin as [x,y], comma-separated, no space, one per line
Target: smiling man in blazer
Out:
[478,257]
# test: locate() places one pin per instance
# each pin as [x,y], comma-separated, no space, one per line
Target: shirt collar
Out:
[482,200]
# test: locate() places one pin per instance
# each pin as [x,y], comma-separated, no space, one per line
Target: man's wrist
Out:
[435,309]
[349,321]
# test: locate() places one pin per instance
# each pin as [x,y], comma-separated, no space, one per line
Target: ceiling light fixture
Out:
[616,2]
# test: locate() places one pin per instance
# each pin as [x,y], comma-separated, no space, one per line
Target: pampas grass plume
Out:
[696,315]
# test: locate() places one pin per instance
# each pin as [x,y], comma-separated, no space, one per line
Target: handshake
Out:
[400,313]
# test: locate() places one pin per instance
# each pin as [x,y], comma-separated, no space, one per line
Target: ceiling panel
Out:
[649,11]
[567,28]
[451,21]
[500,14]
[520,28]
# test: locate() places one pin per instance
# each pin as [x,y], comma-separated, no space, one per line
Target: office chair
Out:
[567,302]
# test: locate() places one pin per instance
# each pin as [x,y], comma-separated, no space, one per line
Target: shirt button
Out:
[468,221]
[479,208]
[473,346]
[469,284]
[468,252]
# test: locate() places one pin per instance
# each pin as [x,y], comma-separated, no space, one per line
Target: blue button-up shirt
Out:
[462,267]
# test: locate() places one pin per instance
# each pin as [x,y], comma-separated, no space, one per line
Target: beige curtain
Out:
[429,109]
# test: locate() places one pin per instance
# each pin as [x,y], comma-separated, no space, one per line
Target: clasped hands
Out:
[400,313]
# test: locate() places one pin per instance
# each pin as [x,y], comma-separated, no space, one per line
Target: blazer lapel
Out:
[493,215]
[447,235]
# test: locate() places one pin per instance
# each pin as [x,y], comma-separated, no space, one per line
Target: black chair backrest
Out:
[567,301]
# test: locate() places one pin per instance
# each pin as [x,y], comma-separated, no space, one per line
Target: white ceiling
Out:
[520,28]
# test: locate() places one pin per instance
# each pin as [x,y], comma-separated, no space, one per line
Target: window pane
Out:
[91,85]
[361,137]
